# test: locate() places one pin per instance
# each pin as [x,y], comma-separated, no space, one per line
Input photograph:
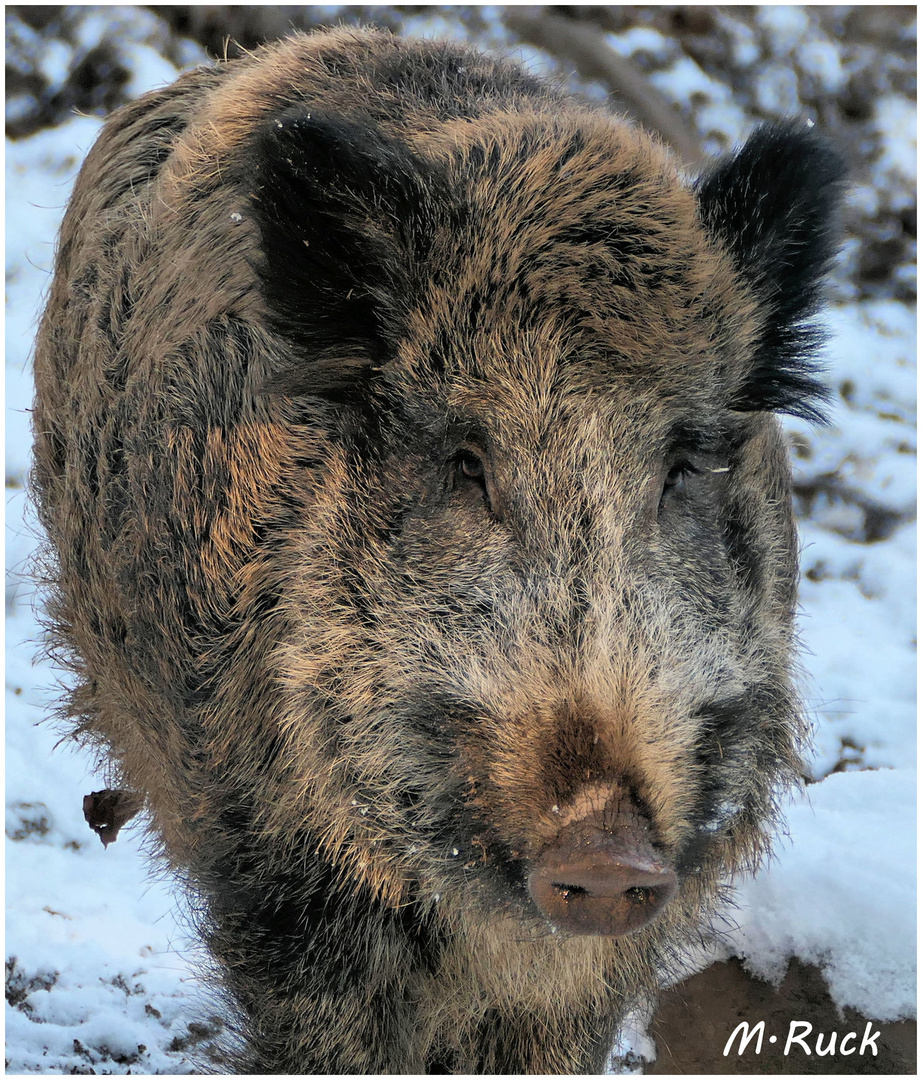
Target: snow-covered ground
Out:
[95,980]
[97,975]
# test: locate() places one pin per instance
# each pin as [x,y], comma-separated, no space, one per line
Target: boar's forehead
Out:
[461,249]
[578,262]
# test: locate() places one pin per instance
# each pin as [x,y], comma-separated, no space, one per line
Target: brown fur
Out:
[360,691]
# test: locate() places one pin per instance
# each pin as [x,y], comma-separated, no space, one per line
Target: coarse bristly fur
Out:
[405,440]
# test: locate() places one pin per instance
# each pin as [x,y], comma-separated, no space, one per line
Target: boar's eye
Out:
[470,467]
[676,479]
[470,471]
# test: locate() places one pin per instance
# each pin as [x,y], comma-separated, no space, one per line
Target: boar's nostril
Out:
[608,885]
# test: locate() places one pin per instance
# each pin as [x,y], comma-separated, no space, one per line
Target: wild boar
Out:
[406,441]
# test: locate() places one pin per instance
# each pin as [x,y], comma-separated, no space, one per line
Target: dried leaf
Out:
[107,811]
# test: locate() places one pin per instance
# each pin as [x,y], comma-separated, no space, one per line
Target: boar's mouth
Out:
[590,880]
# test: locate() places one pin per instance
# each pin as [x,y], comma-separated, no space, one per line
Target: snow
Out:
[776,90]
[899,155]
[684,79]
[432,26]
[787,25]
[716,113]
[101,952]
[745,49]
[640,39]
[102,975]
[842,895]
[821,59]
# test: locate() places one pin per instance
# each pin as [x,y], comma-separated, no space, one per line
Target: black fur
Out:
[774,205]
[346,214]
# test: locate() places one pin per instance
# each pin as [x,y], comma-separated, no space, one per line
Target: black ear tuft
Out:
[775,205]
[345,214]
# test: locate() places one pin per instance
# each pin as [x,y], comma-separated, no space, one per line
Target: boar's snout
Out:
[595,880]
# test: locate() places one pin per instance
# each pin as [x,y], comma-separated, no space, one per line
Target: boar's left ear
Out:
[345,212]
[774,204]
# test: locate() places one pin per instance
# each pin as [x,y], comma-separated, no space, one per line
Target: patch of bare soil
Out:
[697,1018]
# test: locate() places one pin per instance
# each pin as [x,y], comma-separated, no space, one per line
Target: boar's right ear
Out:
[345,214]
[774,205]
